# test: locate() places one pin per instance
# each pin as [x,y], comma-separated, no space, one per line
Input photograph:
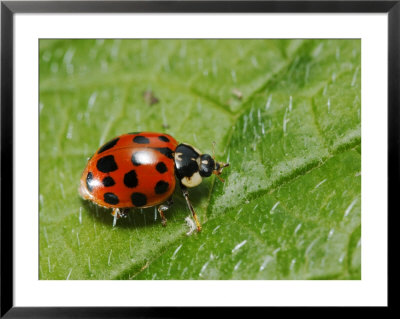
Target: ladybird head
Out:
[191,166]
[209,166]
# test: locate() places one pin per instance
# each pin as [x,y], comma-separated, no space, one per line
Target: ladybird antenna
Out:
[213,149]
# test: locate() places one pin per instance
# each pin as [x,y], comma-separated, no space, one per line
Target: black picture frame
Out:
[9,8]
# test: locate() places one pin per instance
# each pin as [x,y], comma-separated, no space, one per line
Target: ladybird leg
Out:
[115,213]
[163,208]
[186,195]
[118,213]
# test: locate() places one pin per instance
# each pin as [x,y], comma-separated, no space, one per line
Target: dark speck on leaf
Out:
[150,98]
[237,93]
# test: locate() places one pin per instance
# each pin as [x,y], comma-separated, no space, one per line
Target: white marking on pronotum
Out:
[273,207]
[69,274]
[350,207]
[320,183]
[238,246]
[194,180]
[176,251]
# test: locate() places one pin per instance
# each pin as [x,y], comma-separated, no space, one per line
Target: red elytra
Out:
[139,170]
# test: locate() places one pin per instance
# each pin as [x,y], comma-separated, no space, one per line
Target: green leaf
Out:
[284,113]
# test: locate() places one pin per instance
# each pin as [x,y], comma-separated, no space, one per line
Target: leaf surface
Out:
[285,114]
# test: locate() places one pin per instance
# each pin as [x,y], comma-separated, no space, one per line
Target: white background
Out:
[371,290]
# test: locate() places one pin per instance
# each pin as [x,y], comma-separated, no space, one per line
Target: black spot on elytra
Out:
[108,145]
[165,150]
[163,138]
[130,179]
[111,198]
[141,139]
[107,164]
[108,181]
[161,187]
[89,179]
[161,167]
[138,199]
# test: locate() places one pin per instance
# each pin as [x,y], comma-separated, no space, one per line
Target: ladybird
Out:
[141,169]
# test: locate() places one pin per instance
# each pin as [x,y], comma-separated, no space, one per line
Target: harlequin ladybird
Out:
[139,170]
